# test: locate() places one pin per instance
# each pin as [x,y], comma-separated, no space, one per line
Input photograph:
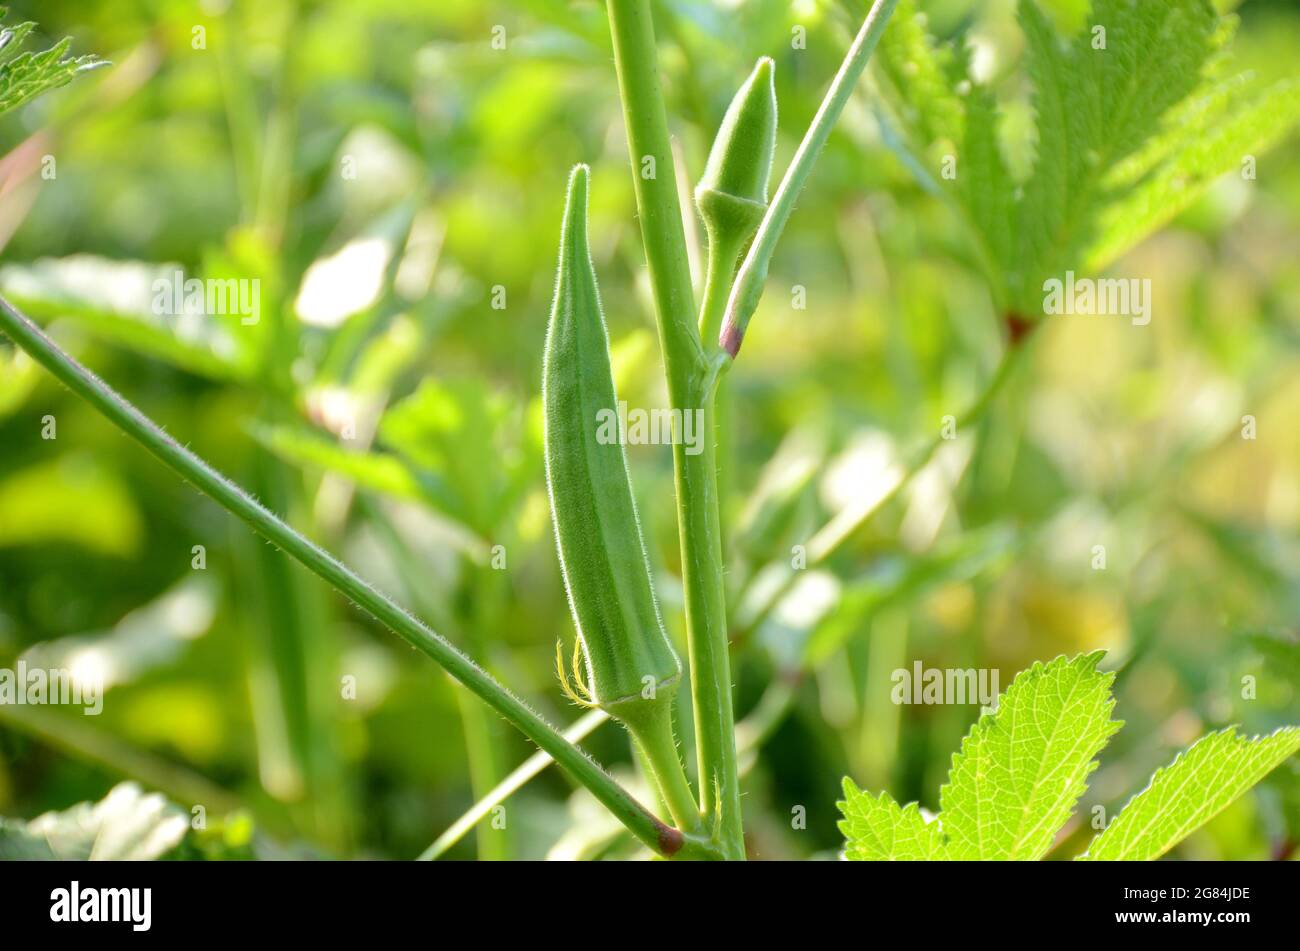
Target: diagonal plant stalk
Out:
[658,205]
[748,288]
[660,837]
[516,780]
[691,384]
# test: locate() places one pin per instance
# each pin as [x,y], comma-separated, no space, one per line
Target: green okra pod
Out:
[632,670]
[732,193]
[629,659]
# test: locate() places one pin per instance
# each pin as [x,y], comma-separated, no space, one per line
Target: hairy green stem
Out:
[691,382]
[655,178]
[640,821]
[700,525]
[724,255]
[654,736]
[753,273]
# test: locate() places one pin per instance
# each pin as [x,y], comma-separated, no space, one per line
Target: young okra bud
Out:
[732,195]
[632,668]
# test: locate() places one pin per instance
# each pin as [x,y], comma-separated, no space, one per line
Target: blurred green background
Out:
[396,183]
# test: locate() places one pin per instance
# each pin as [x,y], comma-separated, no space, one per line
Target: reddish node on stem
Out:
[1018,328]
[670,840]
[730,339]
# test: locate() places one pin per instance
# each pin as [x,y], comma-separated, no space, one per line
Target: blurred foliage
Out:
[395,184]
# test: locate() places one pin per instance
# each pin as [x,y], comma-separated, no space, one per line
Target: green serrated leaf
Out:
[877,829]
[1021,770]
[940,124]
[1014,783]
[917,70]
[1199,784]
[1098,100]
[984,185]
[1227,129]
[1135,118]
[25,76]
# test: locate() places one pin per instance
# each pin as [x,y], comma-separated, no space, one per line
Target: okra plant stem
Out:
[691,384]
[654,734]
[125,416]
[706,625]
[723,257]
[753,273]
[653,173]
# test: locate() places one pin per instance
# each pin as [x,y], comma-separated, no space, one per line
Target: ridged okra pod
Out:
[732,193]
[632,669]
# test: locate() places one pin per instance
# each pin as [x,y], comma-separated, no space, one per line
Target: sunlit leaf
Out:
[26,75]
[1021,770]
[117,301]
[127,824]
[1199,784]
[877,829]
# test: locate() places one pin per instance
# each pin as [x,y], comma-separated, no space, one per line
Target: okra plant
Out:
[632,668]
[631,665]
[1134,118]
